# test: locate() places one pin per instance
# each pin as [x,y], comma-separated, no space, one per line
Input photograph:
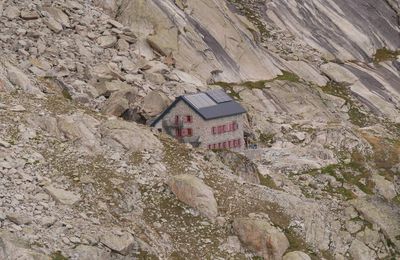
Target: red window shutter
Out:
[214,130]
[219,129]
[235,144]
[234,125]
[177,132]
[224,130]
[189,132]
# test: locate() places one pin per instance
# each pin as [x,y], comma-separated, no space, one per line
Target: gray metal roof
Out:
[209,105]
[214,104]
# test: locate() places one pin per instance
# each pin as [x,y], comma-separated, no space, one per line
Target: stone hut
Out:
[211,120]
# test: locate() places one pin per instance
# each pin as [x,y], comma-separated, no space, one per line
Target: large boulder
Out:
[384,187]
[296,255]
[119,102]
[19,79]
[121,243]
[261,237]
[192,191]
[81,129]
[120,134]
[63,196]
[154,103]
[240,165]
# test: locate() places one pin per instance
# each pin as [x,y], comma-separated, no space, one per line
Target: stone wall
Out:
[203,128]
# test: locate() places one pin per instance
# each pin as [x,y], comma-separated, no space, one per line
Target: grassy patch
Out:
[252,16]
[286,76]
[267,181]
[266,138]
[176,156]
[341,90]
[385,54]
[58,256]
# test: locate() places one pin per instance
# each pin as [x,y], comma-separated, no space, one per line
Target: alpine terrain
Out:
[84,176]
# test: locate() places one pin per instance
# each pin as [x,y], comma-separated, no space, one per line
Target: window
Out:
[178,133]
[224,130]
[239,143]
[176,120]
[209,147]
[219,145]
[214,130]
[214,146]
[220,129]
[188,119]
[189,132]
[230,144]
[234,125]
[224,145]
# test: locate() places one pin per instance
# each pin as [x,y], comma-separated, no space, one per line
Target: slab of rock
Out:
[382,214]
[240,165]
[29,15]
[11,12]
[80,128]
[122,244]
[192,191]
[120,134]
[307,72]
[296,255]
[107,41]
[18,78]
[359,251]
[19,219]
[115,24]
[63,196]
[338,73]
[261,237]
[58,15]
[53,25]
[384,187]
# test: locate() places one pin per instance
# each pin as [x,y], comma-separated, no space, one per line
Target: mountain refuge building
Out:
[211,120]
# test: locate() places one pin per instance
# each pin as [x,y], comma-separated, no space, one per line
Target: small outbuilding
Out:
[209,119]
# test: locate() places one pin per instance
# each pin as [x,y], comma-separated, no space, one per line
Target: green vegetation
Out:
[249,13]
[267,181]
[58,256]
[266,138]
[286,76]
[385,54]
[340,90]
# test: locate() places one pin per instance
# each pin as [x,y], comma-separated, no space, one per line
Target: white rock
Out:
[107,41]
[122,244]
[63,196]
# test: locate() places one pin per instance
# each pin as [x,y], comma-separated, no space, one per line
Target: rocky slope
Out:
[83,177]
